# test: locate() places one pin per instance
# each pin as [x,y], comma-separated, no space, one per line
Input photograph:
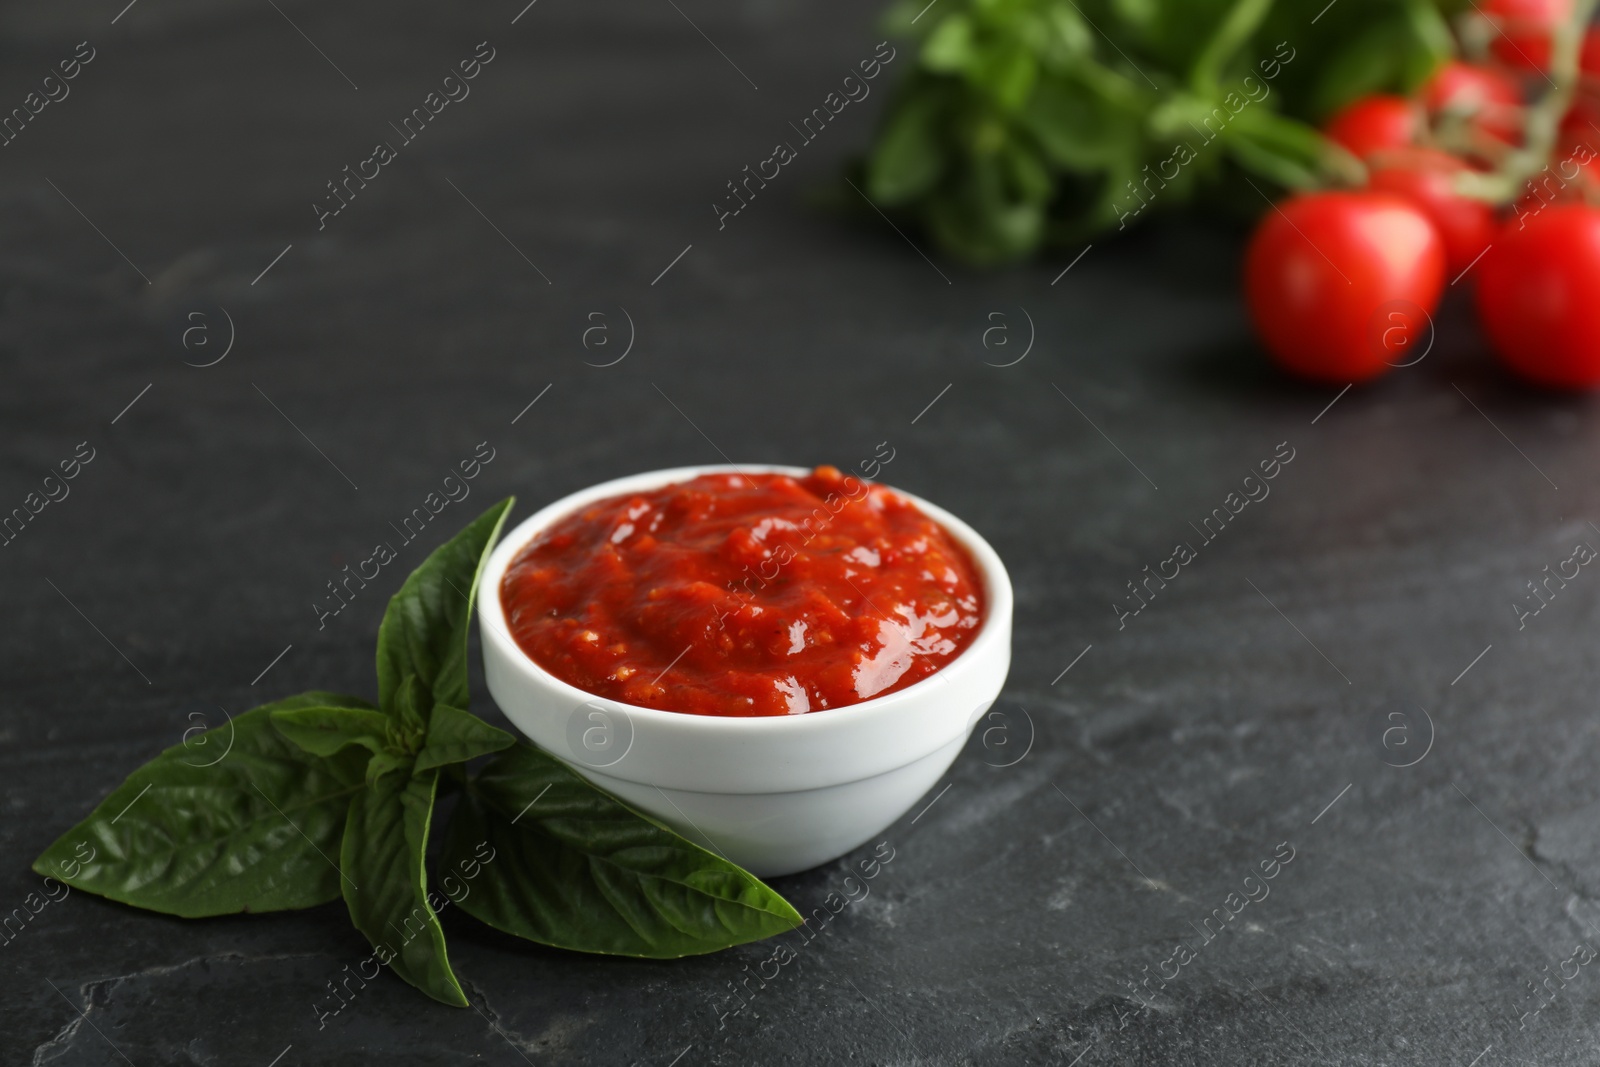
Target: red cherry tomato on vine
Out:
[1490,100]
[1543,14]
[1376,123]
[1340,284]
[1523,29]
[1582,120]
[1589,56]
[1427,177]
[1522,49]
[1539,296]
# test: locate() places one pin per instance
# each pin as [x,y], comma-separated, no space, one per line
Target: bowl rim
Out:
[995,627]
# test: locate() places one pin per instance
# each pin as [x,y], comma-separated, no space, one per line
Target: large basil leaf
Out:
[575,868]
[424,629]
[1078,129]
[385,885]
[193,834]
[324,731]
[455,736]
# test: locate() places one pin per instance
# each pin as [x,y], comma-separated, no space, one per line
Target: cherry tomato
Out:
[1539,296]
[1544,14]
[1523,29]
[1339,283]
[1582,120]
[1427,177]
[1376,123]
[1488,99]
[1577,162]
[1589,56]
[1522,49]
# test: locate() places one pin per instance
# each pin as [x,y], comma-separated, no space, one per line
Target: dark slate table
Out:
[1340,675]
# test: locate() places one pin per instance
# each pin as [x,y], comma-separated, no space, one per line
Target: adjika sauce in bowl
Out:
[775,662]
[744,594]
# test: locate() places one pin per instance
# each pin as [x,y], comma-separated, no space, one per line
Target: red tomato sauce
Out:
[745,595]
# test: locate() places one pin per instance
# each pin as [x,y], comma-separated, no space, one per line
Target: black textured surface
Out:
[1177,753]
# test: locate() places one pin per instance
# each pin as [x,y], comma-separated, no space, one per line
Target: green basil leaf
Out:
[909,155]
[1007,75]
[1231,31]
[1025,171]
[1266,161]
[385,885]
[455,736]
[323,731]
[412,706]
[573,867]
[1077,129]
[1145,15]
[1067,39]
[1373,60]
[385,762]
[1281,149]
[1431,44]
[424,630]
[981,220]
[255,829]
[949,49]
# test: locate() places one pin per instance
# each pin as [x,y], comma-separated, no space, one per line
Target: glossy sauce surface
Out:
[744,595]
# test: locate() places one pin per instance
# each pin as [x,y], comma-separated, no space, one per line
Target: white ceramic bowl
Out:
[773,794]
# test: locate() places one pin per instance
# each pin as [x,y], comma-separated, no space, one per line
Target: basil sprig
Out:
[323,795]
[1020,125]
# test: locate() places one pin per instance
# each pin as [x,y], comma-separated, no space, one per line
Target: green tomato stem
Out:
[1543,120]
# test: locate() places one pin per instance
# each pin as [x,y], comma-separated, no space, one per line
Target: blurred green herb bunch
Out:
[1032,123]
